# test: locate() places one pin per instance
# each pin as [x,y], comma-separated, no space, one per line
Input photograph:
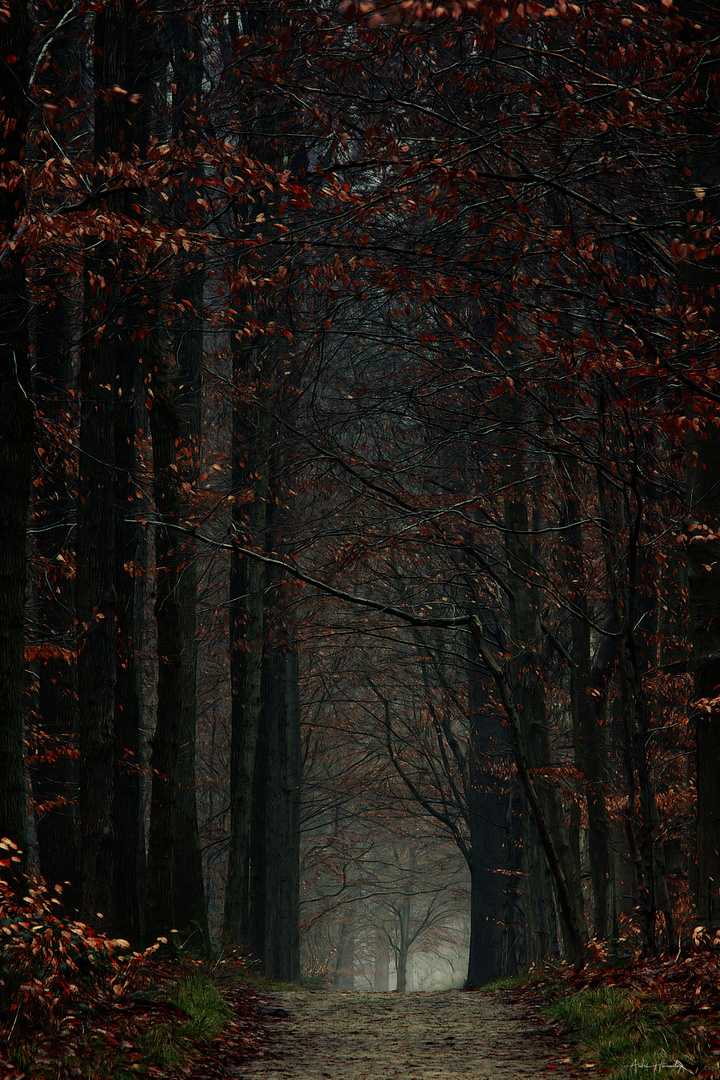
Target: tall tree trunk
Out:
[16,430]
[647,852]
[573,925]
[175,617]
[588,695]
[402,949]
[487,812]
[175,893]
[259,897]
[381,971]
[699,286]
[54,775]
[532,712]
[282,939]
[190,913]
[127,806]
[97,643]
[250,471]
[703,557]
[106,535]
[540,924]
[96,615]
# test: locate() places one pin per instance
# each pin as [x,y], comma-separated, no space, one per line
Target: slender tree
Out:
[17,428]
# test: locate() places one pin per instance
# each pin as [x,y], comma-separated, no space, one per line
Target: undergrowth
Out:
[234,970]
[651,1020]
[632,1038]
[169,1045]
[77,1003]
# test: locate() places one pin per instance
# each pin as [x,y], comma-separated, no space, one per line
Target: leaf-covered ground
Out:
[423,1036]
[162,1020]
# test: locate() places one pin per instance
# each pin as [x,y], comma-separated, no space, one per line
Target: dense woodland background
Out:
[359,465]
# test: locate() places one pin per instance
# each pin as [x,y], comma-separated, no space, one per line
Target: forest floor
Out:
[418,1036]
[161,1020]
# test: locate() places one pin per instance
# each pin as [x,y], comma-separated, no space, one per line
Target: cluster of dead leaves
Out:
[117,1022]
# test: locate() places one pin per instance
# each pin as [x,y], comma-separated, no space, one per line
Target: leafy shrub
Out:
[313,980]
[49,963]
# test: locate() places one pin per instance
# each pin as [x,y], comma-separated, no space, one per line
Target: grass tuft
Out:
[630,1037]
[509,982]
[170,1045]
[231,972]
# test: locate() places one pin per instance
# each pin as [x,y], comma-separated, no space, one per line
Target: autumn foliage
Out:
[372,356]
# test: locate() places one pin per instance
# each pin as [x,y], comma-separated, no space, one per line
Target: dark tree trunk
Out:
[699,284]
[487,813]
[97,639]
[588,695]
[703,557]
[381,971]
[130,549]
[282,725]
[175,894]
[532,712]
[250,467]
[175,616]
[16,430]
[190,913]
[402,949]
[127,807]
[258,895]
[102,583]
[53,717]
[54,776]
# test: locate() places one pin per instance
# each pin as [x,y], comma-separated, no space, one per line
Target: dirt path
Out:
[436,1036]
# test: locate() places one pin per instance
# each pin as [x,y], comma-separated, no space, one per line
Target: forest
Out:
[359,478]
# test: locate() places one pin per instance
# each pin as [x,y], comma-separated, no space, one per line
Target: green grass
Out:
[169,1045]
[313,981]
[232,973]
[259,982]
[512,982]
[509,982]
[632,1038]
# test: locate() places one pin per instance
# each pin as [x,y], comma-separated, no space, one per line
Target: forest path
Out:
[422,1036]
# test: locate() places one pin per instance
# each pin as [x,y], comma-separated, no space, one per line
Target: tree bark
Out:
[402,948]
[574,926]
[186,41]
[127,806]
[105,589]
[54,776]
[282,940]
[699,286]
[381,971]
[53,717]
[175,893]
[703,556]
[487,812]
[17,422]
[588,695]
[532,715]
[175,616]
[251,469]
[128,809]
